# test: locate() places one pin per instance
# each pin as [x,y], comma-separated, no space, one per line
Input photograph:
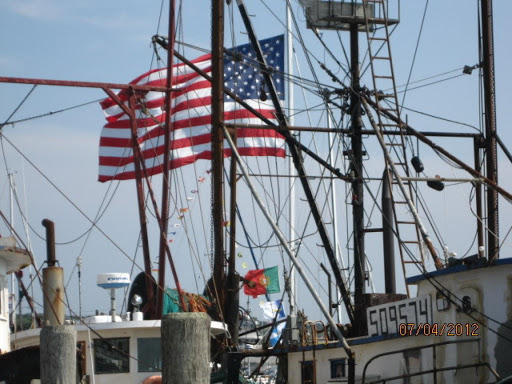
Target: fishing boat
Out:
[406,308]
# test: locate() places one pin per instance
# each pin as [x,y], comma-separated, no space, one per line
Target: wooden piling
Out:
[186,348]
[58,354]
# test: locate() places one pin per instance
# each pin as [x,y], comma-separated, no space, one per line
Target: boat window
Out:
[308,372]
[338,368]
[149,354]
[112,355]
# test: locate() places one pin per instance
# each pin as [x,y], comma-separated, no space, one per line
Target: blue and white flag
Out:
[270,309]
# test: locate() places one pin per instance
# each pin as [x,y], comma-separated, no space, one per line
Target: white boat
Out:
[137,356]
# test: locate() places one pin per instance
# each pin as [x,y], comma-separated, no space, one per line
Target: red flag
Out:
[191,115]
[260,281]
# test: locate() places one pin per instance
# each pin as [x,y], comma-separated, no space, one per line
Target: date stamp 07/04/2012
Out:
[435,329]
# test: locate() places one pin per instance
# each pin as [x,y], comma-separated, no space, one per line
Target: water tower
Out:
[113,281]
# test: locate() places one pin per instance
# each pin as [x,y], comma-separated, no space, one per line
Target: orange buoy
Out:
[153,380]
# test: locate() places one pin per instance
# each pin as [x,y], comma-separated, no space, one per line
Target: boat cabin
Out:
[456,328]
[12,259]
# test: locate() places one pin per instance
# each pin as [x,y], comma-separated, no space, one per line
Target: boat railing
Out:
[435,369]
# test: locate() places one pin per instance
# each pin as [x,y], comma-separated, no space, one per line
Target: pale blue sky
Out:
[110,42]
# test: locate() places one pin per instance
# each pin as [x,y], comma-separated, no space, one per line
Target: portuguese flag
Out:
[260,281]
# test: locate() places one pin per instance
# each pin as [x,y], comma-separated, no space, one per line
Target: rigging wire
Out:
[441,118]
[434,281]
[69,200]
[414,55]
[65,303]
[20,104]
[50,113]
[432,83]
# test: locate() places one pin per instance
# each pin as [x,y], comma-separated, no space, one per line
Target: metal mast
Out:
[298,162]
[167,149]
[291,167]
[217,151]
[356,168]
[490,129]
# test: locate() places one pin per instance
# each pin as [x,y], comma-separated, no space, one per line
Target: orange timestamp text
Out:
[436,329]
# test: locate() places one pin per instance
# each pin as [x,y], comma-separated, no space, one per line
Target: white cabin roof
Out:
[12,259]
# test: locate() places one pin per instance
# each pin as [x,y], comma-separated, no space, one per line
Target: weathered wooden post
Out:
[186,348]
[58,354]
[57,341]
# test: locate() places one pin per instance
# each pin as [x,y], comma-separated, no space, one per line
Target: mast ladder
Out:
[386,98]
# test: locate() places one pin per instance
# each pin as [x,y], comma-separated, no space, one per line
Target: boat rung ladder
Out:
[379,52]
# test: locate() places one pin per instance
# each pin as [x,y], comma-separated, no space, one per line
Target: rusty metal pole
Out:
[144,173]
[166,165]
[329,290]
[423,138]
[232,296]
[356,168]
[53,282]
[150,305]
[30,301]
[478,197]
[295,149]
[490,129]
[50,242]
[218,151]
[388,235]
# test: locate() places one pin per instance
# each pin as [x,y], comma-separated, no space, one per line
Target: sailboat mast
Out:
[490,128]
[356,167]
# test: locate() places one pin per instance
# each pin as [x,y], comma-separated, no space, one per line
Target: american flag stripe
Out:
[190,120]
[117,151]
[189,155]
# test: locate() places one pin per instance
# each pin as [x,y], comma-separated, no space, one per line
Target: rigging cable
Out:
[18,106]
[70,201]
[441,118]
[432,83]
[414,55]
[450,297]
[50,113]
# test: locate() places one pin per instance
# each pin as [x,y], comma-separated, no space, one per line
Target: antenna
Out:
[79,266]
[113,281]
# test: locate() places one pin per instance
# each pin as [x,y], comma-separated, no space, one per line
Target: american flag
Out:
[191,114]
